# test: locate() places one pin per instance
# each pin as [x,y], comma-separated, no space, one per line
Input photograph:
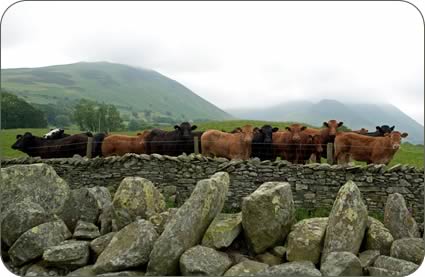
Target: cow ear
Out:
[18,136]
[303,128]
[177,127]
[257,130]
[378,128]
[275,129]
[193,127]
[404,135]
[138,134]
[340,124]
[392,128]
[325,124]
[288,128]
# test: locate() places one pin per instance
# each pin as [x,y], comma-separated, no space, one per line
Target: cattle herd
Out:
[297,143]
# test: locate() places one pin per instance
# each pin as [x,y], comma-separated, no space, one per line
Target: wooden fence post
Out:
[89,147]
[330,153]
[196,144]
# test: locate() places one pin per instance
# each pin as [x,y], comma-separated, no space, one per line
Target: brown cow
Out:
[287,144]
[228,145]
[362,131]
[310,144]
[379,150]
[122,144]
[327,135]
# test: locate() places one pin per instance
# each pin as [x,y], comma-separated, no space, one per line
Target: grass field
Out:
[407,154]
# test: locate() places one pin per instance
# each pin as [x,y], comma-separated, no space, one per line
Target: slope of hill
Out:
[355,116]
[129,88]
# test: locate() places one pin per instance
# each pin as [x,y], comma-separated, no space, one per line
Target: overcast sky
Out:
[237,54]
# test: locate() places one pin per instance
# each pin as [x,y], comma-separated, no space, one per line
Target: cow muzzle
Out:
[396,146]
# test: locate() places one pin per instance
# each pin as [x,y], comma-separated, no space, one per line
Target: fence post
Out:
[89,147]
[330,153]
[196,144]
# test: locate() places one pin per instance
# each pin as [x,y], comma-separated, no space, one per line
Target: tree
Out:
[17,113]
[62,121]
[93,116]
[133,125]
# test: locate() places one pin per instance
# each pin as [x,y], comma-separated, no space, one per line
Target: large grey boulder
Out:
[135,197]
[398,219]
[378,237]
[246,268]
[305,241]
[347,221]
[341,264]
[395,265]
[409,249]
[267,215]
[32,243]
[187,227]
[37,183]
[68,254]
[85,204]
[298,268]
[130,247]
[223,230]
[99,244]
[201,260]
[20,218]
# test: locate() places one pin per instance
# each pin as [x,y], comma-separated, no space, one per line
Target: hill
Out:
[131,89]
[354,116]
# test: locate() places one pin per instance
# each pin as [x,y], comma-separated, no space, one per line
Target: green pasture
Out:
[407,154]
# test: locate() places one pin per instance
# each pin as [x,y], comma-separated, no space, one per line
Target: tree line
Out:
[87,114]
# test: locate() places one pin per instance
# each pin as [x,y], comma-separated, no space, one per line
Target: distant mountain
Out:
[130,88]
[354,116]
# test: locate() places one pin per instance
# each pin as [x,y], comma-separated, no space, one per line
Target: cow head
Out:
[185,130]
[332,126]
[384,129]
[295,130]
[316,140]
[23,142]
[247,132]
[266,133]
[395,138]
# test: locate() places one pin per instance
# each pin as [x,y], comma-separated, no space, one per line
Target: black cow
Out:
[262,146]
[97,144]
[172,143]
[56,134]
[46,148]
[381,131]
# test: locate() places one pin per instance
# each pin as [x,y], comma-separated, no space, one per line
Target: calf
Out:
[122,144]
[310,144]
[228,145]
[58,148]
[378,150]
[262,143]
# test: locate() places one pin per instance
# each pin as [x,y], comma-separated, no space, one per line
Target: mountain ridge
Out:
[130,88]
[354,115]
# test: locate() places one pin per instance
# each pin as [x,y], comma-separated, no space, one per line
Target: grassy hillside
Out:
[129,88]
[408,153]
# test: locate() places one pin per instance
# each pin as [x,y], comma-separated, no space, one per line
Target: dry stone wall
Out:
[313,185]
